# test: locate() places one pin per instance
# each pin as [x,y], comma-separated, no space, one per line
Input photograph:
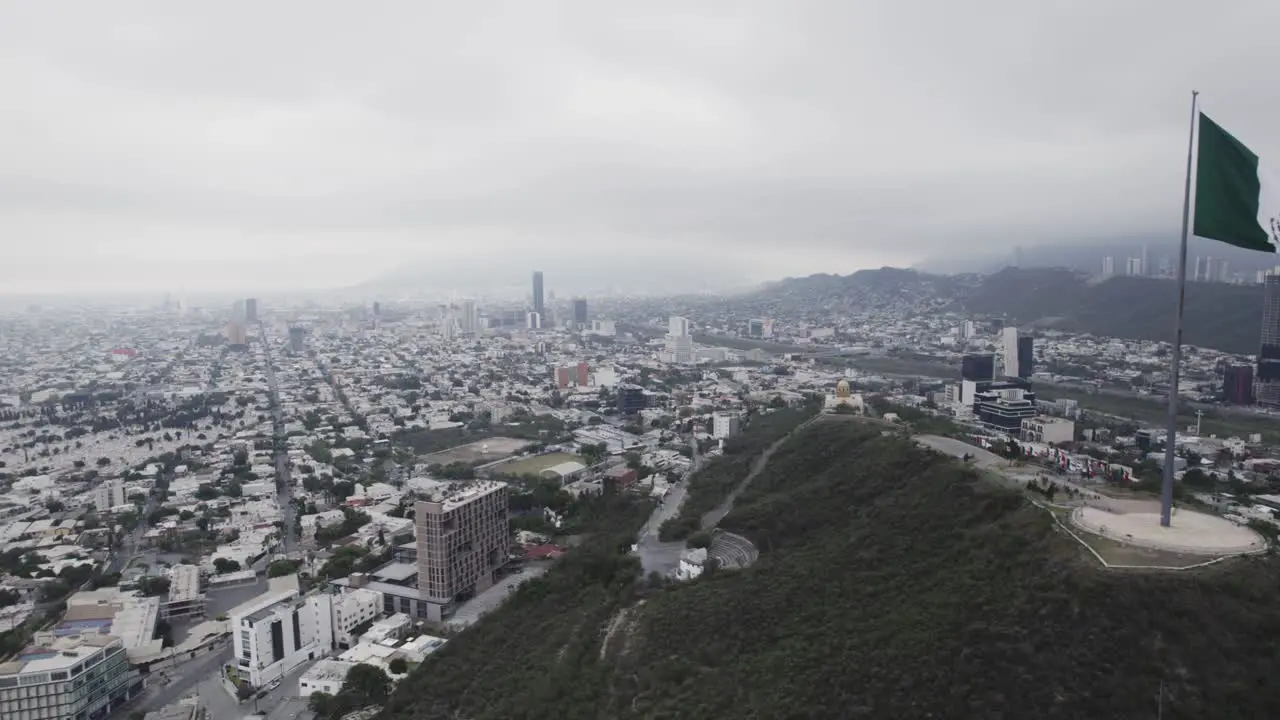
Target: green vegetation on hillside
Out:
[892,582]
[712,484]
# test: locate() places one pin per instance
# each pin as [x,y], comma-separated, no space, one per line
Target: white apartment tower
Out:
[274,636]
[1108,266]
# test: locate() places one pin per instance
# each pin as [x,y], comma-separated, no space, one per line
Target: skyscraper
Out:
[1026,356]
[579,313]
[1134,267]
[1267,389]
[468,317]
[1108,266]
[1009,351]
[251,310]
[538,306]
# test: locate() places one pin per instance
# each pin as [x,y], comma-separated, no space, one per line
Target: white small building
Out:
[352,609]
[692,563]
[1046,429]
[325,676]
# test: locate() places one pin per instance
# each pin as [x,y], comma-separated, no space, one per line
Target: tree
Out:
[366,685]
[225,565]
[280,568]
[398,666]
[55,506]
[320,703]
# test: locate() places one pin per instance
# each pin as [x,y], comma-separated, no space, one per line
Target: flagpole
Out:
[1166,491]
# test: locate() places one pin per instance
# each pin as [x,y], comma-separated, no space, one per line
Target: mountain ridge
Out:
[1221,316]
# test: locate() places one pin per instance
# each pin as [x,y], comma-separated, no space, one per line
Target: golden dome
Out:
[842,389]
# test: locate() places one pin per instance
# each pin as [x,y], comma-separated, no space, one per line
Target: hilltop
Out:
[1218,315]
[892,582]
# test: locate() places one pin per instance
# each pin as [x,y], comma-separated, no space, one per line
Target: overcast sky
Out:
[319,143]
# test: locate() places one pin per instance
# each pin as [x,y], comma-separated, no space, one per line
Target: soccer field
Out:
[535,465]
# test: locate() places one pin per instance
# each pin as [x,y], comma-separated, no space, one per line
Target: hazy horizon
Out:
[240,147]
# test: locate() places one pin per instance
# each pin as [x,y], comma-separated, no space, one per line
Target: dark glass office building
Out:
[631,399]
[978,367]
[1026,356]
[1237,385]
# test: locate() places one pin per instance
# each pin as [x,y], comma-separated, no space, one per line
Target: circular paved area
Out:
[1189,532]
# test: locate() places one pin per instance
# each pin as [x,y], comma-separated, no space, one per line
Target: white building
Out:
[278,631]
[604,327]
[352,609]
[309,524]
[1048,429]
[1134,266]
[108,495]
[325,676]
[1108,266]
[679,343]
[725,425]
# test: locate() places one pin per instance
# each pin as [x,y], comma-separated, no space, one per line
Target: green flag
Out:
[1237,202]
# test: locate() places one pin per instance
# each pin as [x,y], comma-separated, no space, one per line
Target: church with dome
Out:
[845,398]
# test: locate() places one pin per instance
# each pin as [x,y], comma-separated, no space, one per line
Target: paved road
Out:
[284,498]
[184,679]
[655,555]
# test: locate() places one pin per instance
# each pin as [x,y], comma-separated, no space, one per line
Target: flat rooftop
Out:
[395,572]
[184,583]
[455,497]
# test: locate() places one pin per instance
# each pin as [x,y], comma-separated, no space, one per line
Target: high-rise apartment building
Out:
[533,321]
[579,313]
[1108,266]
[462,541]
[584,375]
[297,339]
[1134,266]
[1267,387]
[251,310]
[538,304]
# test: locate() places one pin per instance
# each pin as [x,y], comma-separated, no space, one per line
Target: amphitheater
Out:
[1137,523]
[733,551]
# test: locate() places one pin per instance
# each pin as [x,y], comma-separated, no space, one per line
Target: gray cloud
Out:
[313,143]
